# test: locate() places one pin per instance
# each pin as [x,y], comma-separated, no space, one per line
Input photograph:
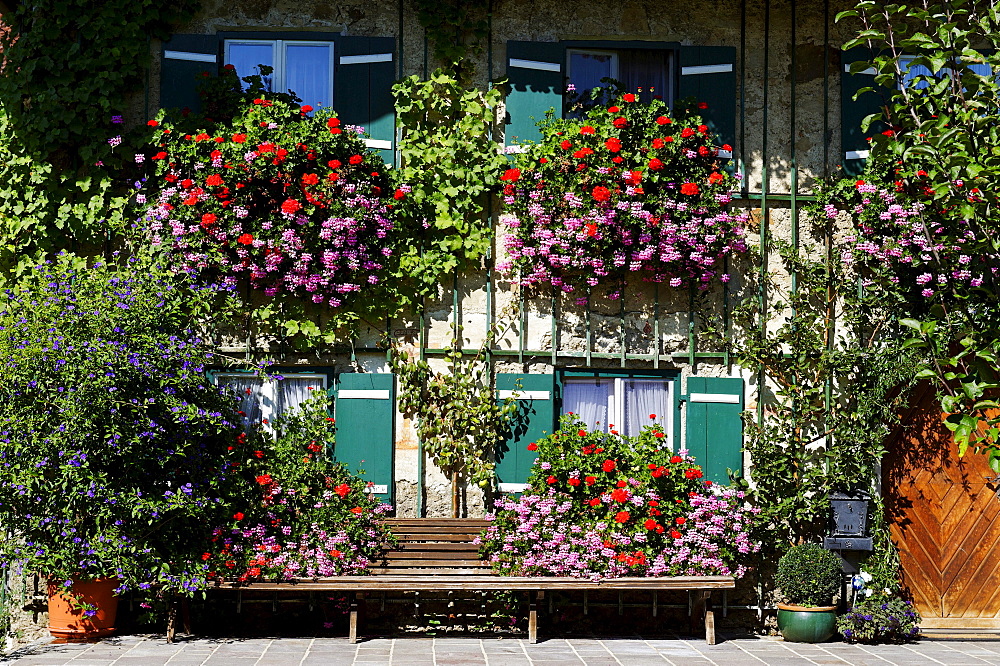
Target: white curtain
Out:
[290,392]
[245,57]
[588,400]
[250,391]
[642,399]
[307,73]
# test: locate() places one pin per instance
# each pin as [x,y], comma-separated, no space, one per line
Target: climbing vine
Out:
[456,31]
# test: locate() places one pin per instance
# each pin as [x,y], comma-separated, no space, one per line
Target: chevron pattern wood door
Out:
[943,512]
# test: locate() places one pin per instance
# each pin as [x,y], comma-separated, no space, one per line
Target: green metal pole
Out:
[764,187]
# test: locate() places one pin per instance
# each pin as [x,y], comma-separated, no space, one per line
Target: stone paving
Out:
[629,651]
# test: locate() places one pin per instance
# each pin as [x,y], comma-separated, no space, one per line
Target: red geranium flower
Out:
[613,144]
[264,479]
[214,180]
[594,502]
[620,495]
[676,459]
[245,239]
[208,219]
[239,138]
[613,109]
[680,520]
[620,122]
[291,206]
[650,524]
[587,129]
[702,105]
[355,159]
[601,193]
[333,122]
[512,175]
[658,434]
[551,480]
[628,97]
[582,433]
[305,108]
[532,447]
[152,123]
[237,516]
[689,189]
[693,473]
[608,466]
[574,482]
[590,480]
[655,164]
[622,483]
[686,132]
[583,152]
[310,179]
[622,517]
[357,510]
[565,144]
[663,120]
[343,490]
[715,177]
[675,534]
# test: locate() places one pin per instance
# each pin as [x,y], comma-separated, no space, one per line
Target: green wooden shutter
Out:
[536,80]
[714,426]
[535,419]
[707,73]
[852,111]
[362,86]
[184,59]
[365,413]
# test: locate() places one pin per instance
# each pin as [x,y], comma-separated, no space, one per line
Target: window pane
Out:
[913,71]
[308,75]
[588,400]
[291,392]
[644,398]
[245,57]
[587,68]
[249,389]
[644,73]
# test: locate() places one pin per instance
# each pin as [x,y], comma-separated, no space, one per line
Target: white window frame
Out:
[616,401]
[268,389]
[280,46]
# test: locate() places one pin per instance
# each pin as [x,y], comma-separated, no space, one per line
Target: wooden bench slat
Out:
[433,554]
[420,522]
[463,538]
[428,546]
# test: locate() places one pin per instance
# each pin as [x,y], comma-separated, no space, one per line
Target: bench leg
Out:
[702,612]
[533,599]
[356,601]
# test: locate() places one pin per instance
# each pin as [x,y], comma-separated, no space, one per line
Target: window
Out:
[301,66]
[911,71]
[625,402]
[645,72]
[268,398]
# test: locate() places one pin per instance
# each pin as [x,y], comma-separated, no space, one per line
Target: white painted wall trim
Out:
[187,55]
[856,154]
[363,394]
[706,69]
[870,71]
[725,154]
[365,59]
[535,64]
[725,398]
[513,487]
[379,144]
[525,395]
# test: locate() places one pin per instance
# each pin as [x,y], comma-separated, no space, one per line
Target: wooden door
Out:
[943,516]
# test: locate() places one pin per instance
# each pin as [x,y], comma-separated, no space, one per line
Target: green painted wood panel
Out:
[179,78]
[533,92]
[535,419]
[853,111]
[714,431]
[365,441]
[363,92]
[717,89]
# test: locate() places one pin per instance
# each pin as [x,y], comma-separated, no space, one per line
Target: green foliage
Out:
[837,372]
[456,31]
[809,575]
[450,167]
[308,516]
[68,67]
[880,619]
[460,421]
[942,145]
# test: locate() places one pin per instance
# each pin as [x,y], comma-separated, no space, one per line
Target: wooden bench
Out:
[439,555]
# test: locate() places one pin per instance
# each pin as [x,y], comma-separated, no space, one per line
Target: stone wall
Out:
[790,157]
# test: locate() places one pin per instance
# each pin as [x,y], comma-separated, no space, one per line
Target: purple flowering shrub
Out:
[880,619]
[309,517]
[625,190]
[277,196]
[115,446]
[607,505]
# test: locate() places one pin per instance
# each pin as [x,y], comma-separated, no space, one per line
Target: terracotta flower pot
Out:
[807,624]
[68,621]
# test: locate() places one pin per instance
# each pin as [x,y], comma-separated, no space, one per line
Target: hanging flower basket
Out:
[626,190]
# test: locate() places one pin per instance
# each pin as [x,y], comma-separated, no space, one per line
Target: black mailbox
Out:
[850,514]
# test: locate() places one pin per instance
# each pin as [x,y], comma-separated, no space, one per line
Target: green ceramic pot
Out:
[800,624]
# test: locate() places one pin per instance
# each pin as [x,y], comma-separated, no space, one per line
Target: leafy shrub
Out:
[628,188]
[310,517]
[809,575]
[116,449]
[880,619]
[609,505]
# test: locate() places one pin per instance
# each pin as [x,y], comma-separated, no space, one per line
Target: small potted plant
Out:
[809,577]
